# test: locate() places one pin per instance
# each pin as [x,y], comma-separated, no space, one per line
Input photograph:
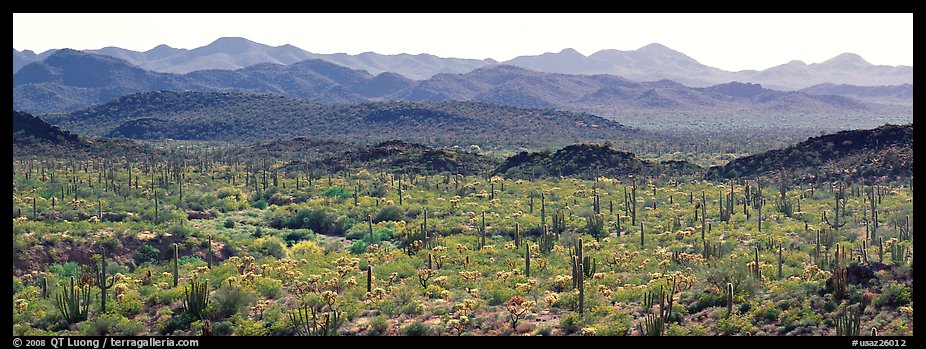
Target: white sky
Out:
[727,41]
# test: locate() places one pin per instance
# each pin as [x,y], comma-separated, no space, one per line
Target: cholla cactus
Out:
[517,306]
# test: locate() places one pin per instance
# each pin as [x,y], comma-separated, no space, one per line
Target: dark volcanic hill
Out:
[239,117]
[587,161]
[28,129]
[400,156]
[882,153]
[34,137]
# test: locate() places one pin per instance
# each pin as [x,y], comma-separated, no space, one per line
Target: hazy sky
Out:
[726,41]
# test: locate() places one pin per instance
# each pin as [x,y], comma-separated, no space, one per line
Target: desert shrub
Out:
[416,329]
[894,294]
[735,324]
[570,323]
[389,213]
[147,254]
[268,288]
[377,326]
[270,246]
[230,300]
[615,325]
[229,224]
[339,192]
[64,270]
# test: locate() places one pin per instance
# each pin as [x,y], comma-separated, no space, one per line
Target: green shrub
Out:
[894,294]
[260,204]
[615,325]
[230,300]
[270,246]
[339,192]
[269,288]
[229,224]
[735,324]
[570,323]
[416,329]
[147,254]
[377,326]
[64,270]
[389,213]
[222,328]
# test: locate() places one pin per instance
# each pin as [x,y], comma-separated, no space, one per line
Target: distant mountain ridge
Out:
[230,53]
[649,63]
[240,117]
[70,80]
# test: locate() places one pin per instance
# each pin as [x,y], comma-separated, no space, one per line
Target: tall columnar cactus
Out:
[211,255]
[642,239]
[850,324]
[370,227]
[155,206]
[840,278]
[873,211]
[633,202]
[780,260]
[176,265]
[586,266]
[543,210]
[74,302]
[655,324]
[880,249]
[517,235]
[703,215]
[757,272]
[759,201]
[370,278]
[546,241]
[196,298]
[527,259]
[729,299]
[400,190]
[44,286]
[578,281]
[100,276]
[835,223]
[482,231]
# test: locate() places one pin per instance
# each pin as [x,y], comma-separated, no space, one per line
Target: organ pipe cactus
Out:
[74,302]
[196,298]
[655,324]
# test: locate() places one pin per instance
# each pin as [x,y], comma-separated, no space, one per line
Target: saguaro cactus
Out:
[527,259]
[100,275]
[176,265]
[729,299]
[835,223]
[370,278]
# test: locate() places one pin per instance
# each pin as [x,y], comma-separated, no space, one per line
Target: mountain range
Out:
[649,63]
[70,80]
[240,117]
